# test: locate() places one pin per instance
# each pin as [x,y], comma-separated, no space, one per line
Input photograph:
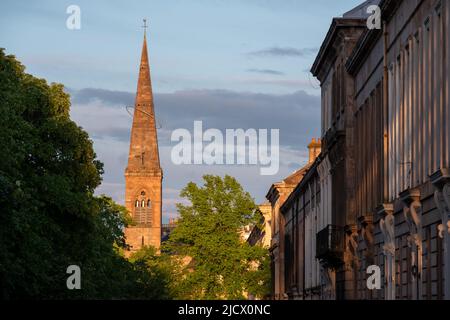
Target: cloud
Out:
[283,52]
[103,115]
[271,81]
[266,71]
[87,95]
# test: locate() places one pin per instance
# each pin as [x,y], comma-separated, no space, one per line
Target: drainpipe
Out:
[385,113]
[304,249]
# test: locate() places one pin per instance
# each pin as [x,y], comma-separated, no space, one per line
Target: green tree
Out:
[220,265]
[49,216]
[159,272]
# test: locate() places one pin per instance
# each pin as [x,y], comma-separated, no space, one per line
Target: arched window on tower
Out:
[142,212]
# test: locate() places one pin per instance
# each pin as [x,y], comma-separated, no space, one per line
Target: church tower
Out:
[143,175]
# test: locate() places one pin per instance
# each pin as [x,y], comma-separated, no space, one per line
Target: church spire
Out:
[143,153]
[143,175]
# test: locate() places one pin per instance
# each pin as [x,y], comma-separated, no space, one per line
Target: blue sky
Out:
[193,43]
[257,52]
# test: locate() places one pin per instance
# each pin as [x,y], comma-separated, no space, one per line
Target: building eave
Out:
[273,192]
[311,171]
[336,25]
[368,39]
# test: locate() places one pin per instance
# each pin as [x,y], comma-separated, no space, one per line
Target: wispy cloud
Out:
[277,81]
[283,52]
[266,71]
[103,115]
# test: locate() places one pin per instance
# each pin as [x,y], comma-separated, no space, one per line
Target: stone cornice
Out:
[440,178]
[384,209]
[157,172]
[369,37]
[326,50]
[409,196]
[366,219]
[350,229]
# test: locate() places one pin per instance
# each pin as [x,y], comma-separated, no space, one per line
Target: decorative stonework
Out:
[351,255]
[387,227]
[441,181]
[328,290]
[442,199]
[412,212]
[366,230]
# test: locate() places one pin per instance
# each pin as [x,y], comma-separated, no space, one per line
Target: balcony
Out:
[330,246]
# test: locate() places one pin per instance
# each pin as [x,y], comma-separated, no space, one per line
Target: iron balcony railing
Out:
[330,245]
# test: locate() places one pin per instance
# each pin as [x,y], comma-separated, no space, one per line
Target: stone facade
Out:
[379,193]
[276,196]
[337,88]
[302,219]
[143,175]
[402,81]
[262,235]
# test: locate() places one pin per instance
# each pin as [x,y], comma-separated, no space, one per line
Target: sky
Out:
[231,64]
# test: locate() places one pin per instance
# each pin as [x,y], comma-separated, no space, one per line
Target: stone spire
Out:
[143,175]
[143,153]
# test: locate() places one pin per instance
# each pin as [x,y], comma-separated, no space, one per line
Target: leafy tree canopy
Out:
[219,264]
[49,216]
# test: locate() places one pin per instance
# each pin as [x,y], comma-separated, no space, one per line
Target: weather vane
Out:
[145,25]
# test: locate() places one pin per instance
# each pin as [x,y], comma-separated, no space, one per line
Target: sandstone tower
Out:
[143,175]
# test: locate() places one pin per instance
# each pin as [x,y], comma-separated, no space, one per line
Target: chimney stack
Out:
[315,148]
